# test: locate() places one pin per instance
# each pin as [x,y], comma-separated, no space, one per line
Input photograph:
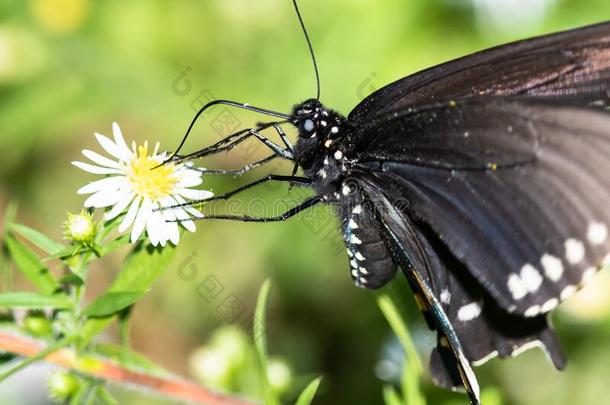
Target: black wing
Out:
[521,197]
[571,67]
[400,238]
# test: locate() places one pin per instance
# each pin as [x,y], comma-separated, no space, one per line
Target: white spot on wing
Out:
[357,209]
[469,312]
[349,253]
[588,275]
[360,257]
[445,296]
[567,292]
[485,359]
[532,311]
[363,270]
[529,345]
[575,251]
[549,305]
[355,240]
[516,287]
[338,155]
[597,233]
[553,268]
[530,278]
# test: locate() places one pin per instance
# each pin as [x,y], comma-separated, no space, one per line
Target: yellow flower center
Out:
[148,182]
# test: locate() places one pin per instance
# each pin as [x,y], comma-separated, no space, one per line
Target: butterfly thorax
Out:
[321,150]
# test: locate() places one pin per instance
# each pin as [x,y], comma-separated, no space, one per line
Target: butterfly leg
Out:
[283,217]
[267,178]
[236,172]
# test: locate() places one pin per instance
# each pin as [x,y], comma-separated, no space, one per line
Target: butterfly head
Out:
[317,124]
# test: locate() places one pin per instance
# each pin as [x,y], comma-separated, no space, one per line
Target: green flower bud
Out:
[63,386]
[37,324]
[80,228]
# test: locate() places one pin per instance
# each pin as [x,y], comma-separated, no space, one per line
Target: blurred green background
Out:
[69,68]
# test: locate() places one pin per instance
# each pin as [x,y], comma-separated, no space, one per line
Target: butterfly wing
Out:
[399,238]
[570,67]
[525,210]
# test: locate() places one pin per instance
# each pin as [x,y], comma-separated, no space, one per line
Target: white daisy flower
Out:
[132,184]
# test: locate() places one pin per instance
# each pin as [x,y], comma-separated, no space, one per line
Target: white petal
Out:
[96,169]
[119,207]
[103,198]
[120,141]
[101,160]
[114,182]
[112,148]
[189,181]
[182,215]
[173,232]
[131,215]
[155,228]
[140,221]
[188,209]
[195,194]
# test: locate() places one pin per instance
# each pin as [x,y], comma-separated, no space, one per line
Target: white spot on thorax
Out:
[338,155]
[327,144]
[357,209]
[575,251]
[597,233]
[469,312]
[553,268]
[346,189]
[334,130]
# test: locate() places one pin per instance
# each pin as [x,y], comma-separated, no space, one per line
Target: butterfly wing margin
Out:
[571,67]
[531,233]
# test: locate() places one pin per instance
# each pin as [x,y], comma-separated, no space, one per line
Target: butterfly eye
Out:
[308,125]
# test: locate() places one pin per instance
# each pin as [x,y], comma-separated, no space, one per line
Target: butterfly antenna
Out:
[313,56]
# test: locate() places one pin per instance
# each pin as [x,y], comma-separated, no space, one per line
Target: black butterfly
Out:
[486,180]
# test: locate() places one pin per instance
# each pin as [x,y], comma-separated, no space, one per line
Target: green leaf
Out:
[111,303]
[42,241]
[142,267]
[34,300]
[30,265]
[309,392]
[260,341]
[390,396]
